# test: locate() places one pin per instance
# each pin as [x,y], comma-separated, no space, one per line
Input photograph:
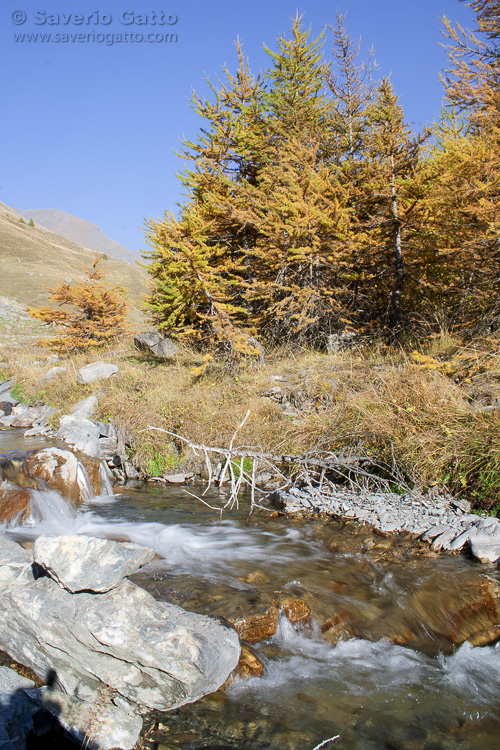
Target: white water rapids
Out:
[376,695]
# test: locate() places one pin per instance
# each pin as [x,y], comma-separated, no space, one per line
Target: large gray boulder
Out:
[485,548]
[82,563]
[80,433]
[120,649]
[150,653]
[96,371]
[155,343]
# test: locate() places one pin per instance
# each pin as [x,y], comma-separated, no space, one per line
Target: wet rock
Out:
[337,629]
[249,665]
[294,609]
[98,723]
[85,408]
[258,627]
[156,344]
[468,611]
[80,433]
[15,503]
[60,470]
[81,563]
[95,371]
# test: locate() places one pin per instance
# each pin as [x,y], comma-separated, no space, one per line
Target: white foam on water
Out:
[466,683]
[186,548]
[84,483]
[105,479]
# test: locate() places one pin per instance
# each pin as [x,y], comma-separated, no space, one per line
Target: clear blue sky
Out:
[91,128]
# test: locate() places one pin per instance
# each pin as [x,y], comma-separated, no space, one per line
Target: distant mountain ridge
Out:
[84,233]
[33,260]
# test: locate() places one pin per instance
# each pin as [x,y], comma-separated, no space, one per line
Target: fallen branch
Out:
[316,469]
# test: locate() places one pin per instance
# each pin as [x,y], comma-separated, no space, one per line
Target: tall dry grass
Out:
[399,406]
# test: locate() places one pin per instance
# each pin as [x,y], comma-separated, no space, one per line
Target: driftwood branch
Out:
[319,470]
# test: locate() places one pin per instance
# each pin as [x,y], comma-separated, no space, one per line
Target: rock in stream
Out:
[120,650]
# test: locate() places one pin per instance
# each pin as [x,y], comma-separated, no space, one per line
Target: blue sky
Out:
[91,128]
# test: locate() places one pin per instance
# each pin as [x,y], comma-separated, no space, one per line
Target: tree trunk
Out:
[395,302]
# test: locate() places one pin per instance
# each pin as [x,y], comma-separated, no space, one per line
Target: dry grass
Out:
[398,406]
[33,260]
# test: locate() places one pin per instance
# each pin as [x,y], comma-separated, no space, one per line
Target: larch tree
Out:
[388,205]
[296,206]
[89,314]
[465,167]
[199,261]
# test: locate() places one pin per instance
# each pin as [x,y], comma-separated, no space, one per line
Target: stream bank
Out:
[380,651]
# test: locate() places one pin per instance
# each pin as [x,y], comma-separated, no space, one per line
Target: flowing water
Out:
[397,684]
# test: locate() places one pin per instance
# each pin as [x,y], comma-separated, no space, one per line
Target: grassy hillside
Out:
[33,259]
[81,231]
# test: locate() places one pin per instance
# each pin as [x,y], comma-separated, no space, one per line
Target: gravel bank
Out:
[442,521]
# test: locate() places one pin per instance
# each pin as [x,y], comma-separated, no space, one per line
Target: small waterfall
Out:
[84,483]
[51,510]
[105,479]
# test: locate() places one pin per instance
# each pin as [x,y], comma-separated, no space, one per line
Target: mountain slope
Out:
[81,231]
[33,259]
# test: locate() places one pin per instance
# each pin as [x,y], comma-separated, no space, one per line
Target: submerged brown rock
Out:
[258,627]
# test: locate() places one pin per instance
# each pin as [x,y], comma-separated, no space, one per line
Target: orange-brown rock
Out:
[249,665]
[258,627]
[61,470]
[14,503]
[466,611]
[403,637]
[257,578]
[337,629]
[295,609]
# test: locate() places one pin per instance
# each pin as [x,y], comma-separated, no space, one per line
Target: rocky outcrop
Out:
[96,371]
[118,648]
[156,344]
